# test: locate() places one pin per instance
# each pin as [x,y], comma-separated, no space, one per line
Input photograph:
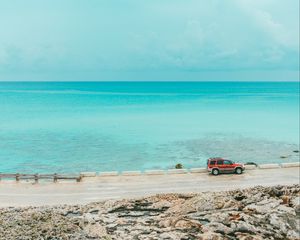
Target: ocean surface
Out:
[101,126]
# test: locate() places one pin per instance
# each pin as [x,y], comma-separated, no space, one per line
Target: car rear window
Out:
[212,163]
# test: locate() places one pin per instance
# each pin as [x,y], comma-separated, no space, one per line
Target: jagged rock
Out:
[285,209]
[263,207]
[247,236]
[243,227]
[217,227]
[293,235]
[210,236]
[295,202]
[168,235]
[95,231]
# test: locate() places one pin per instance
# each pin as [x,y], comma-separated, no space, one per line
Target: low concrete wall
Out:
[88,174]
[269,166]
[131,173]
[108,174]
[292,164]
[198,170]
[177,171]
[154,172]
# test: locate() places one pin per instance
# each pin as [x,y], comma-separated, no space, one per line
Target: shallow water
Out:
[72,127]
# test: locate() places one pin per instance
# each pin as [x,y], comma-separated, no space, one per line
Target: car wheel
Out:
[215,172]
[238,171]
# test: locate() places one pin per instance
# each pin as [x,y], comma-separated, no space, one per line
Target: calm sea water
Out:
[89,126]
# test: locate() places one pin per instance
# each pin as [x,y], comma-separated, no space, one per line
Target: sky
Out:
[149,40]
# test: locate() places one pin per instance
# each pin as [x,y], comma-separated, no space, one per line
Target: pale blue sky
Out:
[149,40]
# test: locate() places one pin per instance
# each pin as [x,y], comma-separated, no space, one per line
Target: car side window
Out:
[226,162]
[212,162]
[219,162]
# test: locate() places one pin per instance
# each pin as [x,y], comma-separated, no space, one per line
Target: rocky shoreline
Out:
[253,213]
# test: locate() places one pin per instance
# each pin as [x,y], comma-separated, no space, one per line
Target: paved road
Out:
[103,188]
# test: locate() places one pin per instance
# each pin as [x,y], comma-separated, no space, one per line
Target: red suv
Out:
[220,165]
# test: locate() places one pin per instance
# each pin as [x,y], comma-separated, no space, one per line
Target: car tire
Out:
[215,172]
[238,170]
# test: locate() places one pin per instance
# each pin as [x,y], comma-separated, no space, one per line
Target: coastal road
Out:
[119,187]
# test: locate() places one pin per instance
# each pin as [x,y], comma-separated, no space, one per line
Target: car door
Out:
[228,166]
[220,165]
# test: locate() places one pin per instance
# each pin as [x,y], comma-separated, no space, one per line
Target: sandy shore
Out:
[249,214]
[119,187]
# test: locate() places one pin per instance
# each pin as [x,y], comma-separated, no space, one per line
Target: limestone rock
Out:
[96,231]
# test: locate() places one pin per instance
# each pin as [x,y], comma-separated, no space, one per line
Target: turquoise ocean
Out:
[103,126]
